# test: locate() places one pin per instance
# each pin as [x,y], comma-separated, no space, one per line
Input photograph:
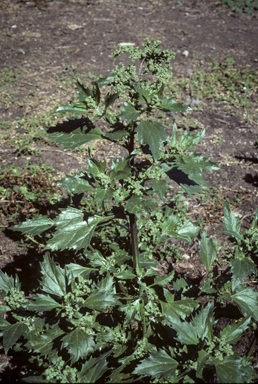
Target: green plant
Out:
[106,313]
[241,5]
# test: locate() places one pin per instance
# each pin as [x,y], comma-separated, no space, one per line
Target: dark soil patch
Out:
[43,41]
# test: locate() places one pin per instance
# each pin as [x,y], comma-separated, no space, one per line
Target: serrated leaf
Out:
[110,99]
[100,300]
[136,204]
[125,275]
[6,282]
[164,280]
[73,270]
[120,169]
[34,226]
[203,322]
[116,135]
[74,232]
[3,323]
[75,108]
[42,303]
[241,267]
[153,134]
[232,333]
[144,94]
[159,364]
[43,343]
[161,188]
[186,332]
[186,232]
[231,223]
[175,309]
[94,368]
[128,112]
[53,280]
[247,299]
[189,141]
[4,308]
[208,250]
[96,167]
[75,184]
[231,370]
[107,80]
[78,343]
[169,104]
[73,133]
[12,333]
[84,92]
[203,357]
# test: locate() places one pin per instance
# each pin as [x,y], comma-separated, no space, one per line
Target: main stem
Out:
[132,217]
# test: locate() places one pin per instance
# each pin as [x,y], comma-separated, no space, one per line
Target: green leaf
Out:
[42,303]
[96,167]
[74,270]
[73,133]
[168,104]
[241,267]
[116,135]
[83,92]
[232,333]
[153,134]
[164,280]
[120,169]
[174,309]
[231,370]
[12,333]
[128,112]
[75,108]
[75,184]
[231,223]
[136,204]
[78,343]
[208,250]
[43,343]
[3,323]
[159,364]
[34,226]
[186,332]
[161,188]
[53,280]
[247,299]
[73,232]
[6,282]
[101,300]
[110,99]
[203,357]
[203,322]
[94,368]
[186,232]
[125,275]
[107,80]
[144,94]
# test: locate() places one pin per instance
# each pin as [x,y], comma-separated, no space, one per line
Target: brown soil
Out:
[47,39]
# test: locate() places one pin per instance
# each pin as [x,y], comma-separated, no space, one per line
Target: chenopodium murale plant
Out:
[109,315]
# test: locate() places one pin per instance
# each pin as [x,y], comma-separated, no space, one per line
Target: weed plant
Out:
[239,6]
[104,312]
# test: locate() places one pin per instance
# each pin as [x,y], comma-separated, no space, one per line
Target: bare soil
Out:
[48,39]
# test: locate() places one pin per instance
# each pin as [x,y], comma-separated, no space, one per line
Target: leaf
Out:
[231,370]
[208,250]
[203,357]
[53,280]
[96,167]
[136,204]
[186,332]
[110,99]
[168,104]
[164,280]
[73,232]
[159,364]
[94,368]
[120,169]
[187,232]
[83,92]
[144,94]
[78,343]
[34,226]
[107,80]
[41,303]
[73,133]
[174,309]
[232,333]
[12,333]
[75,184]
[231,223]
[100,300]
[3,323]
[247,299]
[116,135]
[161,188]
[75,108]
[43,343]
[6,282]
[204,321]
[73,270]
[241,267]
[153,134]
[128,112]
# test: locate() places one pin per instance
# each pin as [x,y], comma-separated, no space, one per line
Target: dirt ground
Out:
[40,41]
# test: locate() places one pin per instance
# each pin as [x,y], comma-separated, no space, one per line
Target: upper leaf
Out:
[173,309]
[75,184]
[241,267]
[169,104]
[232,370]
[78,343]
[208,250]
[41,303]
[232,333]
[128,112]
[247,299]
[159,364]
[6,282]
[12,333]
[34,226]
[53,280]
[231,223]
[153,134]
[94,368]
